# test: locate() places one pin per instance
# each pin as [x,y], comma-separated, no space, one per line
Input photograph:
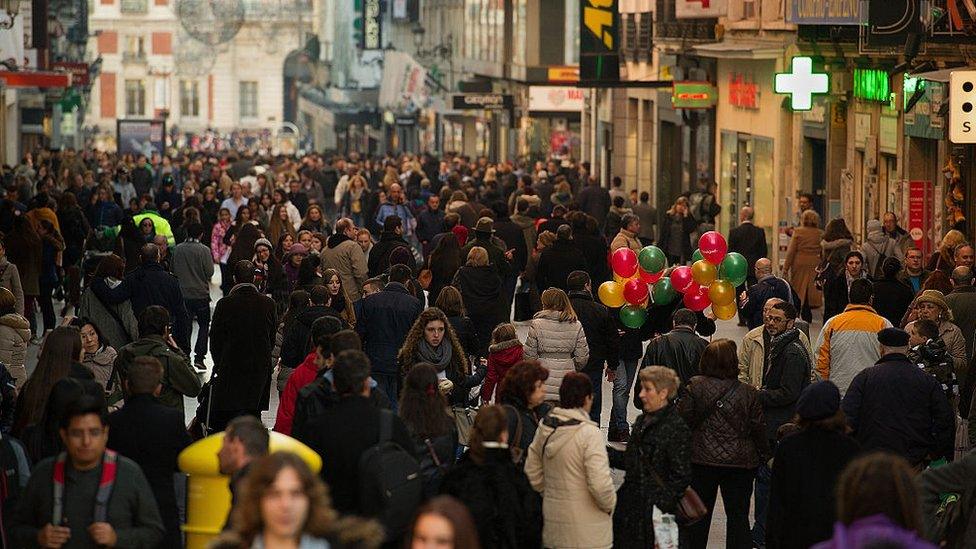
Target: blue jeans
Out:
[763,475]
[626,370]
[596,377]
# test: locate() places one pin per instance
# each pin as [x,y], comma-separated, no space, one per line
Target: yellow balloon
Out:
[721,292]
[724,312]
[612,294]
[703,272]
[621,280]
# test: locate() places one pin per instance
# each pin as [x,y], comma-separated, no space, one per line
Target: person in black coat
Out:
[748,240]
[594,200]
[838,283]
[589,240]
[481,292]
[242,335]
[295,343]
[806,466]
[153,435]
[680,349]
[755,297]
[601,335]
[512,234]
[558,260]
[680,224]
[383,322]
[897,296]
[390,238]
[150,284]
[788,368]
[875,405]
[344,431]
[507,511]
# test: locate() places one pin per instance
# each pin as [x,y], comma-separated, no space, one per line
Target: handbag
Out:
[464,421]
[690,507]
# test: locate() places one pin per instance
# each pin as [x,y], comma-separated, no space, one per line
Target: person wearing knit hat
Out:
[931,305]
[807,464]
[263,242]
[818,401]
[897,407]
[292,262]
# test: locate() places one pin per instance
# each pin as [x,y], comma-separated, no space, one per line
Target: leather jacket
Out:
[726,422]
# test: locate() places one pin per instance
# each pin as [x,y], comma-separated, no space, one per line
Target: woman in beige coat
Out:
[15,335]
[556,340]
[802,259]
[568,465]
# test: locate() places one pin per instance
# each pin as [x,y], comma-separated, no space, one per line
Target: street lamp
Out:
[11,7]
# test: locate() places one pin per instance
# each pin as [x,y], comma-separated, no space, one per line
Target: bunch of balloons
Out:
[709,282]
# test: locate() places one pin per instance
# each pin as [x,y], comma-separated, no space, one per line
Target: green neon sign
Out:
[872,85]
[801,83]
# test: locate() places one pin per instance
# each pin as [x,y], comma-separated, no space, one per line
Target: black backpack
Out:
[391,485]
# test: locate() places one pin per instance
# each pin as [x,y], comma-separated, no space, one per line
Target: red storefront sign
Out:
[79,71]
[920,213]
[743,93]
[35,79]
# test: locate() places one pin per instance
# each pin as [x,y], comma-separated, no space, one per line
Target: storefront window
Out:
[746,178]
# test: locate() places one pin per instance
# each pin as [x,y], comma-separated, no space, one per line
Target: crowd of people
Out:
[381,300]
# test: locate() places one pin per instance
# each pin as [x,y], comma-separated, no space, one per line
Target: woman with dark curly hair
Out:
[424,410]
[522,394]
[431,339]
[283,504]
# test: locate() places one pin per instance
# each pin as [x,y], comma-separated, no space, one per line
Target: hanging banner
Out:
[700,9]
[555,99]
[599,57]
[404,84]
[919,213]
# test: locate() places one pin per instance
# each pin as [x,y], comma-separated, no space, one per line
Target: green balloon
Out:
[734,268]
[652,259]
[632,317]
[697,256]
[663,292]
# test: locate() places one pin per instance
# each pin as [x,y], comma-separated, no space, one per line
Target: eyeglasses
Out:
[775,319]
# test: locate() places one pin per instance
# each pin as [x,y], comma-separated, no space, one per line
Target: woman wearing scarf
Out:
[431,339]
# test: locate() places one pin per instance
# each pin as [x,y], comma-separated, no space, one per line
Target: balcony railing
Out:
[702,30]
[134,57]
[134,6]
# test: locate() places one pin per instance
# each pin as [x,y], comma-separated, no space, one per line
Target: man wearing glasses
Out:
[786,370]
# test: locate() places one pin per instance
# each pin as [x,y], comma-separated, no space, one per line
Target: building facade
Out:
[158,64]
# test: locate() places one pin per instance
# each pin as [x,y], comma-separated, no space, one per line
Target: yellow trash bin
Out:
[208,494]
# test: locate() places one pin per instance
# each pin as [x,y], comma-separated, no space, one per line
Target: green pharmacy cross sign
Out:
[801,83]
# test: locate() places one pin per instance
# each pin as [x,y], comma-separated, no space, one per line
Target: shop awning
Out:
[941,75]
[730,49]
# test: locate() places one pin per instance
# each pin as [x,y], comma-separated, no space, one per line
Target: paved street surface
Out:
[725,329]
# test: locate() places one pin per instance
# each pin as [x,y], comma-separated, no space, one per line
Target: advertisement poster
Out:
[141,137]
[919,216]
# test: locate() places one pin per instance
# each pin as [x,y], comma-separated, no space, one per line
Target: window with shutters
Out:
[629,32]
[644,42]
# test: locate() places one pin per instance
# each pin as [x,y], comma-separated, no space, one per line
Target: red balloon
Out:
[696,301]
[624,262]
[681,278]
[713,247]
[650,278]
[635,291]
[696,288]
